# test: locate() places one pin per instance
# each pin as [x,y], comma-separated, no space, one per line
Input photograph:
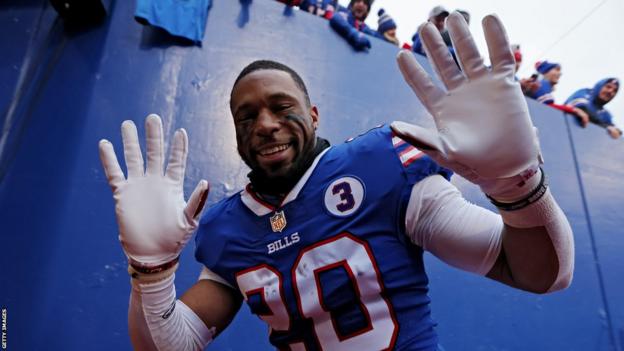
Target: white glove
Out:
[155,222]
[484,131]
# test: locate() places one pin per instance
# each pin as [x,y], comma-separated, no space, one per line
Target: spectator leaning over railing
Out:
[350,24]
[386,28]
[551,73]
[592,102]
[528,85]
[542,90]
[322,8]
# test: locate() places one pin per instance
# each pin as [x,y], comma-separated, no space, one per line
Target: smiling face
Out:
[359,8]
[275,125]
[390,33]
[553,75]
[608,91]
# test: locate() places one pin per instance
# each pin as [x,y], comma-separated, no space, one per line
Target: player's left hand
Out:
[484,131]
[155,222]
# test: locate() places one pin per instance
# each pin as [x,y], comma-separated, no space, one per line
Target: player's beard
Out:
[279,186]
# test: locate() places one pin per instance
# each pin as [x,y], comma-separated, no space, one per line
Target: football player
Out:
[326,244]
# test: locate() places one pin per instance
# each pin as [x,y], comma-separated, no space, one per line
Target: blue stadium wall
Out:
[63,281]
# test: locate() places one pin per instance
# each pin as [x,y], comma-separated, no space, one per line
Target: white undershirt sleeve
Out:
[210,275]
[157,321]
[441,221]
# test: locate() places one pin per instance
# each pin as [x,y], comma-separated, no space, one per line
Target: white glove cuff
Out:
[513,188]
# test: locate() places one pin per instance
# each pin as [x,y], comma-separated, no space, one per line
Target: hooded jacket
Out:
[587,99]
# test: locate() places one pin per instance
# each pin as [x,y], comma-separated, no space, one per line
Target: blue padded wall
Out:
[63,277]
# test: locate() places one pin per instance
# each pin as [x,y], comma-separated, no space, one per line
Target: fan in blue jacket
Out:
[386,28]
[349,23]
[551,72]
[593,100]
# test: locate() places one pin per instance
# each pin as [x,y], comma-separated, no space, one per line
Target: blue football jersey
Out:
[331,268]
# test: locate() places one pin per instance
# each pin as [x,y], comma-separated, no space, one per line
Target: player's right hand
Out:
[483,128]
[155,222]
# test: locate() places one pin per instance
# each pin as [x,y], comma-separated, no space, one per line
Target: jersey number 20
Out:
[348,252]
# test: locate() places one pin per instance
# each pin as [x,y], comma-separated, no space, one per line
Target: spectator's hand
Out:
[582,115]
[358,40]
[155,222]
[484,131]
[614,132]
[354,37]
[529,85]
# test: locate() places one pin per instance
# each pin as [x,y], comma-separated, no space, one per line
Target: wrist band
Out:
[153,277]
[534,196]
[140,268]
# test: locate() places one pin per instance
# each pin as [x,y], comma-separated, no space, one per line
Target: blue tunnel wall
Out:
[63,280]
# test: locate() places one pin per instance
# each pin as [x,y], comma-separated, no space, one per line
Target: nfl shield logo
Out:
[278,221]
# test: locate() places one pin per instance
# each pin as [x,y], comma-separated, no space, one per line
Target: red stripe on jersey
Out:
[406,151]
[396,141]
[413,158]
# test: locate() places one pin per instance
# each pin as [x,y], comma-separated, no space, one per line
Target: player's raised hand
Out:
[155,222]
[484,131]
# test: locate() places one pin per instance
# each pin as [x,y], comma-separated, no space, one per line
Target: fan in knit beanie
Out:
[387,27]
[544,66]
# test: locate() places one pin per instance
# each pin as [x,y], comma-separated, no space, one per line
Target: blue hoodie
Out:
[587,99]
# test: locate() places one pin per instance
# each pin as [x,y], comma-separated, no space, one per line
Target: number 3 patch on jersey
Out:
[344,196]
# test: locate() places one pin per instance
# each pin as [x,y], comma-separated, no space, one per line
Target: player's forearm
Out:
[157,321]
[537,248]
[140,335]
[530,248]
